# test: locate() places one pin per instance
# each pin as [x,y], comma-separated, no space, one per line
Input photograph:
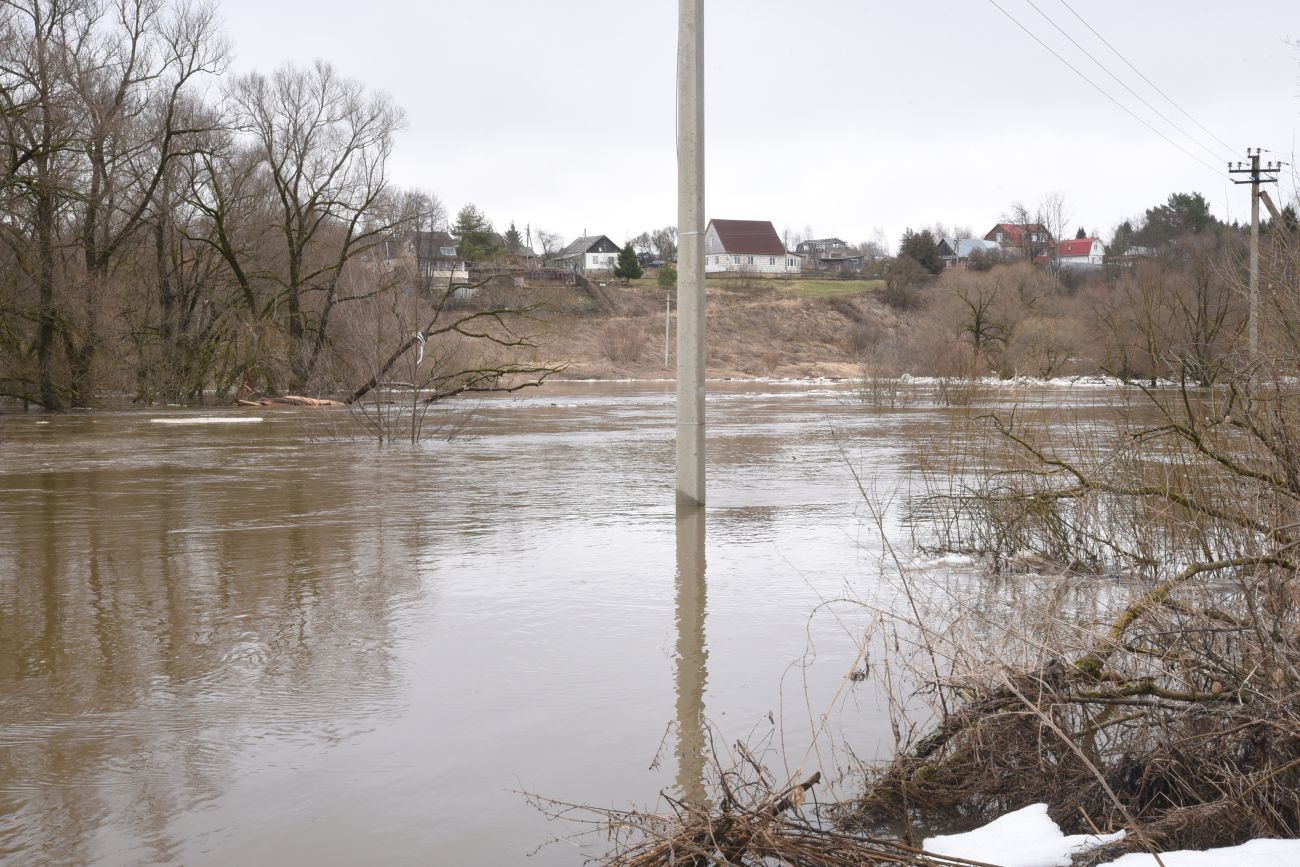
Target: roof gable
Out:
[435,245]
[748,236]
[1015,232]
[1076,247]
[589,244]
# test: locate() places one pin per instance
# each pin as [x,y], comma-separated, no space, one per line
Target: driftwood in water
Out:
[289,400]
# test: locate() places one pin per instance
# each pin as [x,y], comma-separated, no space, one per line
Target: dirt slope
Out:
[754,329]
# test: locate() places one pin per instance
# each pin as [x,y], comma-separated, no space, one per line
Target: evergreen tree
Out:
[922,248]
[1182,214]
[1123,239]
[514,241]
[473,232]
[628,267]
[1080,234]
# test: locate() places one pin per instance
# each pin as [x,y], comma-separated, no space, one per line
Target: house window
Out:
[771,260]
[751,260]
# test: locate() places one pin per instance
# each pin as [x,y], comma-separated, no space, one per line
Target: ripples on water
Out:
[262,643]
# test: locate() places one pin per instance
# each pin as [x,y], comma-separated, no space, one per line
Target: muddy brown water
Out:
[271,643]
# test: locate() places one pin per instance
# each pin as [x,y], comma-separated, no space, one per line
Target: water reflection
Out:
[253,644]
[692,653]
[162,618]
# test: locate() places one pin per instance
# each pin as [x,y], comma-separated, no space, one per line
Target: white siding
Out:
[743,263]
[718,261]
[600,261]
[441,276]
[1095,258]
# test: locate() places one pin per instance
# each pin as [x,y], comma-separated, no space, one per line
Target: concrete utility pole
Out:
[692,656]
[668,312]
[690,253]
[1255,180]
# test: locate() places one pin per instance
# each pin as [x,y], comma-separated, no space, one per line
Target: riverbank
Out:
[795,329]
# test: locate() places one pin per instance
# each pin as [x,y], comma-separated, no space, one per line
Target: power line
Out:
[1124,84]
[1100,90]
[1154,87]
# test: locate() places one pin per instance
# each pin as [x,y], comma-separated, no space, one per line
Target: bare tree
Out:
[96,105]
[42,132]
[549,242]
[1055,215]
[322,145]
[135,95]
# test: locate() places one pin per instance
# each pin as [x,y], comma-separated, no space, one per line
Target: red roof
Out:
[1014,232]
[1076,247]
[749,236]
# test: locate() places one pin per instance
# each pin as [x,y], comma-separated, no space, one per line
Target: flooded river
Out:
[270,643]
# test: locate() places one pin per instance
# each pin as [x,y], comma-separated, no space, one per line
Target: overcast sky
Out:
[831,116]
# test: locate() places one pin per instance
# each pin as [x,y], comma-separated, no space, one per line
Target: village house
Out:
[829,256]
[1081,253]
[1029,240]
[589,254]
[428,256]
[957,252]
[437,258]
[746,246]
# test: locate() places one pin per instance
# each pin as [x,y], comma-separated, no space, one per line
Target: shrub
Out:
[903,283]
[622,341]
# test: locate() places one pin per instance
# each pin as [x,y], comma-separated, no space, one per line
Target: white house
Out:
[1085,253]
[589,254]
[748,247]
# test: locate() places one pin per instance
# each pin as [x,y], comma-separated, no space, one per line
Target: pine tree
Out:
[513,239]
[473,232]
[628,267]
[923,248]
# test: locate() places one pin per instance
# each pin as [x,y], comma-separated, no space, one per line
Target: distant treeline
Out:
[1173,304]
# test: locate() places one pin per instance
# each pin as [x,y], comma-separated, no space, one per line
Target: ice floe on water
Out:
[1029,838]
[208,419]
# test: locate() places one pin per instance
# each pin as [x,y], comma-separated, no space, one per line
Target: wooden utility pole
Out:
[1255,180]
[690,253]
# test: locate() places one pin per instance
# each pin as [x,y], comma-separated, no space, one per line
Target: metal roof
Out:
[1077,247]
[580,246]
[749,236]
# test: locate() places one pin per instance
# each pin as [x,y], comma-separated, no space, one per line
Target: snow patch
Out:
[1025,838]
[1029,838]
[1256,853]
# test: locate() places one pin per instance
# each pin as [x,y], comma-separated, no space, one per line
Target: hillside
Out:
[755,327]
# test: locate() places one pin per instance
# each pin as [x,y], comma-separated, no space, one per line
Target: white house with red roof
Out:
[746,247]
[1081,253]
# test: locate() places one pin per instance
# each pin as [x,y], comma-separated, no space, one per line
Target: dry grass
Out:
[623,341]
[1145,676]
[755,333]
